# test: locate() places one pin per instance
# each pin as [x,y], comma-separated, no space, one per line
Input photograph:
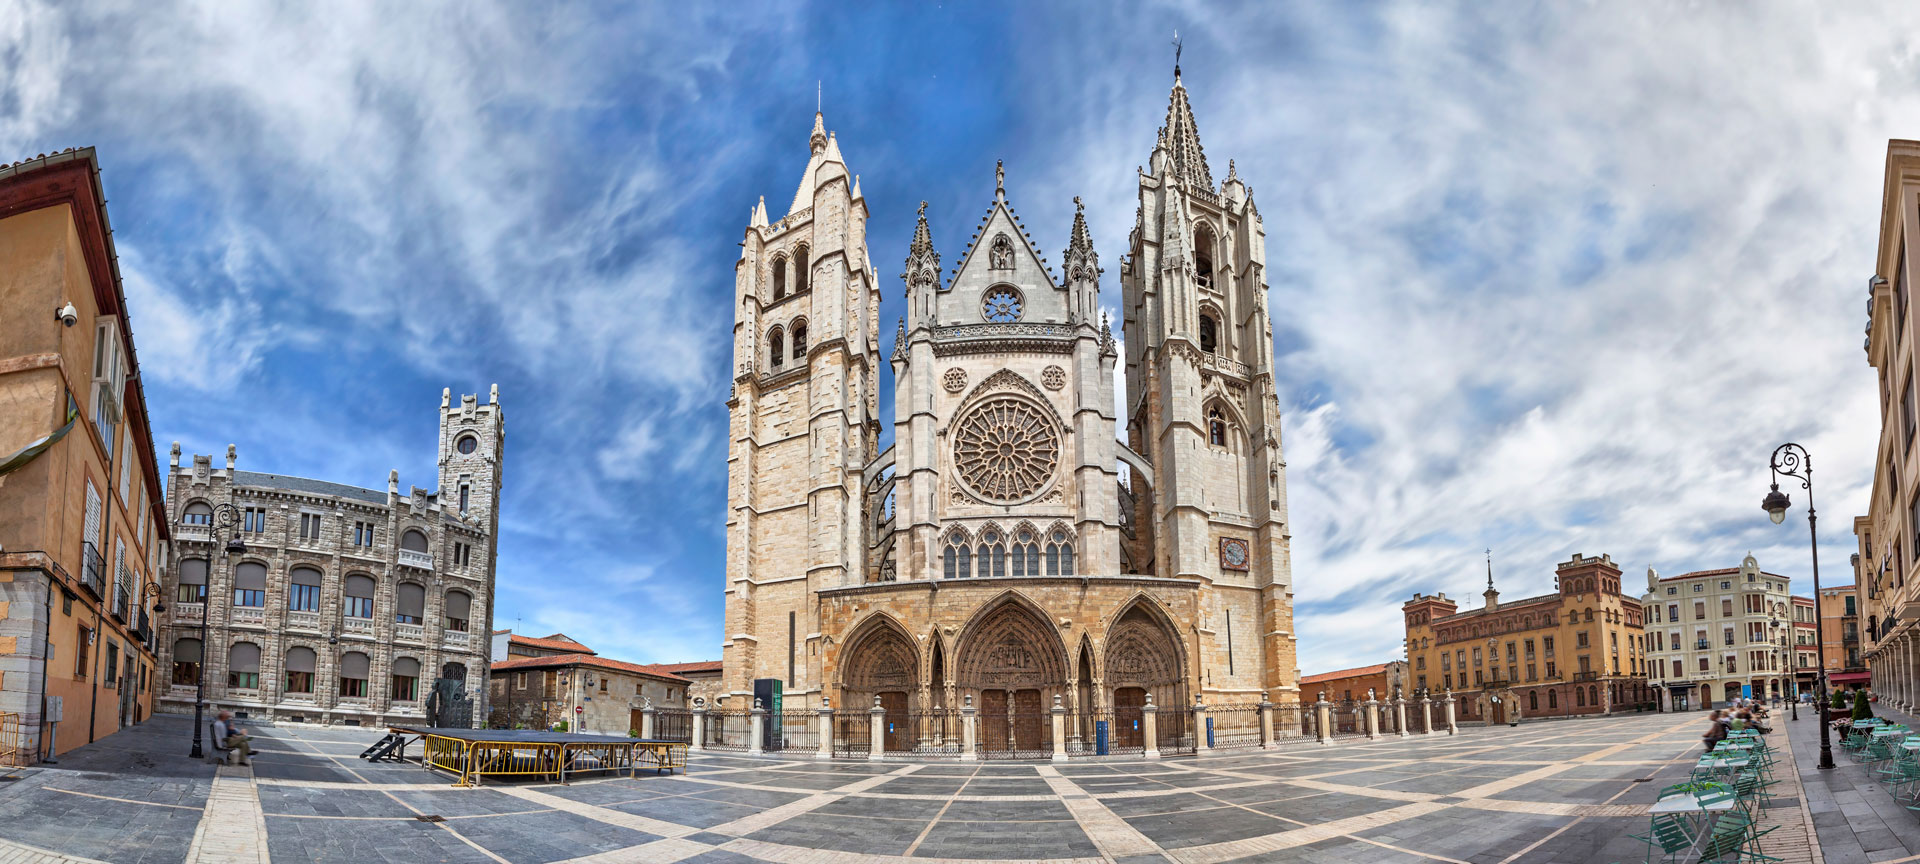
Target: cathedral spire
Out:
[1182,139]
[818,140]
[1080,260]
[923,263]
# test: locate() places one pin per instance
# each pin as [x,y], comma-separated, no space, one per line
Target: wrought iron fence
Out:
[1234,726]
[1346,719]
[1292,721]
[673,726]
[13,753]
[728,730]
[793,730]
[1174,733]
[1015,736]
[1437,711]
[936,734]
[852,734]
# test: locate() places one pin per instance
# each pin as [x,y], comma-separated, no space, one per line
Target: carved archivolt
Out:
[1141,652]
[880,659]
[1011,648]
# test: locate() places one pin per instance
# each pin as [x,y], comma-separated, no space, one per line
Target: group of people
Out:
[1741,714]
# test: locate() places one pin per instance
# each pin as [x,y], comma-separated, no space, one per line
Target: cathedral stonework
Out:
[1014,547]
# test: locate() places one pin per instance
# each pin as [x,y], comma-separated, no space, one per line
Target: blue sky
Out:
[1545,278]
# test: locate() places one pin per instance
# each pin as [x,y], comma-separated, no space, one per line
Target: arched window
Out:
[800,269]
[1216,428]
[359,593]
[1026,553]
[1579,698]
[304,593]
[409,603]
[1593,696]
[1553,698]
[413,541]
[406,679]
[1059,554]
[1533,700]
[779,278]
[1209,336]
[186,662]
[353,675]
[300,670]
[993,554]
[250,584]
[459,607]
[243,666]
[193,582]
[453,671]
[1203,244]
[799,340]
[958,559]
[777,347]
[198,513]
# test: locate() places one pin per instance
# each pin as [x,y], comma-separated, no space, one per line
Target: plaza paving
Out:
[1567,791]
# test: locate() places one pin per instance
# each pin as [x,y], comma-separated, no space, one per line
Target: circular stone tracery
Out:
[1006,450]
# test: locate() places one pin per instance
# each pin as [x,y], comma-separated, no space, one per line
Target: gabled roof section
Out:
[1000,219]
[1181,137]
[556,642]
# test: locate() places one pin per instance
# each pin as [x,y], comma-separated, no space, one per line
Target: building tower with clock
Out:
[1010,545]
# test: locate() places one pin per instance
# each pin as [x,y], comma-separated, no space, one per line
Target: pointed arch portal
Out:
[1012,663]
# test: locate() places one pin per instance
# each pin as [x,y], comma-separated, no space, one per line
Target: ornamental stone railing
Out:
[409,632]
[303,620]
[421,560]
[363,626]
[458,638]
[249,615]
[184,531]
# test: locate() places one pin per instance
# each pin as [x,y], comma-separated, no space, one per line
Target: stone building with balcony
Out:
[347,603]
[1719,635]
[1577,651]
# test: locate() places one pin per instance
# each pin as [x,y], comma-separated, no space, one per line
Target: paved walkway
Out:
[1545,792]
[1857,820]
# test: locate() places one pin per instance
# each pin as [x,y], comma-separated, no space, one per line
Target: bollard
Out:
[1322,718]
[1201,740]
[1452,727]
[1373,717]
[647,724]
[699,742]
[877,746]
[1400,714]
[826,729]
[757,728]
[1426,714]
[968,714]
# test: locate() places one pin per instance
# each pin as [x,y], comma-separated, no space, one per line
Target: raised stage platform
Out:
[473,754]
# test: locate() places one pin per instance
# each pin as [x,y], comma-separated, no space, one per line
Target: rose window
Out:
[1002,305]
[1006,450]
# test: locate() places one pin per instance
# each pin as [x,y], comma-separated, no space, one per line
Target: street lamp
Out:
[225,516]
[1792,460]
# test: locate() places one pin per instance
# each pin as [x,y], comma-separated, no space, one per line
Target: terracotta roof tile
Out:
[1345,673]
[551,643]
[586,660]
[698,666]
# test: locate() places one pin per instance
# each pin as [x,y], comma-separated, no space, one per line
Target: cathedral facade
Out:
[1015,546]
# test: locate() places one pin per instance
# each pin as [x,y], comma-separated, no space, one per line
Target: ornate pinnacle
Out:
[900,339]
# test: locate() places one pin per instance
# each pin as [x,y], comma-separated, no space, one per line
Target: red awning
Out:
[1851,677]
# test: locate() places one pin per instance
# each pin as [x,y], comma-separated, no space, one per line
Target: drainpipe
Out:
[46,646]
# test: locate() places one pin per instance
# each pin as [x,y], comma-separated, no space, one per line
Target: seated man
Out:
[233,737]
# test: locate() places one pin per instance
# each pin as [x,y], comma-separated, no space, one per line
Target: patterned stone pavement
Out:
[1561,791]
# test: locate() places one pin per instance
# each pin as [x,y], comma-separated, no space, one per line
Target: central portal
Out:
[1014,667]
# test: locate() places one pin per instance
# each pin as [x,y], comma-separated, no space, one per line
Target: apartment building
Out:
[1719,635]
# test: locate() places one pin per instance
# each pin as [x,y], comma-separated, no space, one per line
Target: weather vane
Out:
[1176,52]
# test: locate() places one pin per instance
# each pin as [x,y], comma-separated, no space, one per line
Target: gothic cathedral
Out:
[1013,548]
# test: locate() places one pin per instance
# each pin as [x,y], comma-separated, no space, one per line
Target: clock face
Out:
[1233,553]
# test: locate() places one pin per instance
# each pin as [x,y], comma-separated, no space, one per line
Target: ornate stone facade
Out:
[347,603]
[993,554]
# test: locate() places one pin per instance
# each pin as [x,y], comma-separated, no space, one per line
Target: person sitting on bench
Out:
[227,736]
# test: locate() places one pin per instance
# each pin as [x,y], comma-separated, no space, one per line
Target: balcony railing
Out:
[1701,645]
[421,560]
[409,632]
[186,612]
[253,615]
[303,620]
[184,531]
[93,571]
[1586,676]
[361,626]
[458,638]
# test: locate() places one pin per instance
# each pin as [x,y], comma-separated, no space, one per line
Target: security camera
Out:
[67,314]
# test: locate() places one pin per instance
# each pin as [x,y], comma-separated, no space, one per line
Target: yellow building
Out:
[81,533]
[1580,650]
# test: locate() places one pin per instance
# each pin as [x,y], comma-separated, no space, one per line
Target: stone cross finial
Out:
[923,209]
[999,175]
[1077,206]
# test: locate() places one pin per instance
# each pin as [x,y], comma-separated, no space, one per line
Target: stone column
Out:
[756,728]
[1059,730]
[699,728]
[1200,740]
[1322,714]
[878,731]
[826,729]
[1150,727]
[1426,714]
[1452,726]
[1266,722]
[969,717]
[1373,717]
[1400,714]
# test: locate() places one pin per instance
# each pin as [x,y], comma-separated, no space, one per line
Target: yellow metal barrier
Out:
[13,755]
[661,756]
[473,760]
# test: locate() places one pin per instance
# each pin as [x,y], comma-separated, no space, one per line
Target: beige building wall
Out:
[1744,617]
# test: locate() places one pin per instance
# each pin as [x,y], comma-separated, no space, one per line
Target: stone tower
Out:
[472,438]
[1202,409]
[803,420]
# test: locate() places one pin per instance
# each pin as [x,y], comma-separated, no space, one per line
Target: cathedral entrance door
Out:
[899,738]
[1028,718]
[993,720]
[1127,731]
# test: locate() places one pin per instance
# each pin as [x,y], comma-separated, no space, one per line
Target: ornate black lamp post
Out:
[1791,460]
[225,517]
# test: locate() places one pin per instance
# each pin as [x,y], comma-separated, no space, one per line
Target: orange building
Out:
[1384,679]
[80,496]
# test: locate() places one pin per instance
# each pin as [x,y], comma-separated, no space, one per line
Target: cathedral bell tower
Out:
[803,422]
[1202,411]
